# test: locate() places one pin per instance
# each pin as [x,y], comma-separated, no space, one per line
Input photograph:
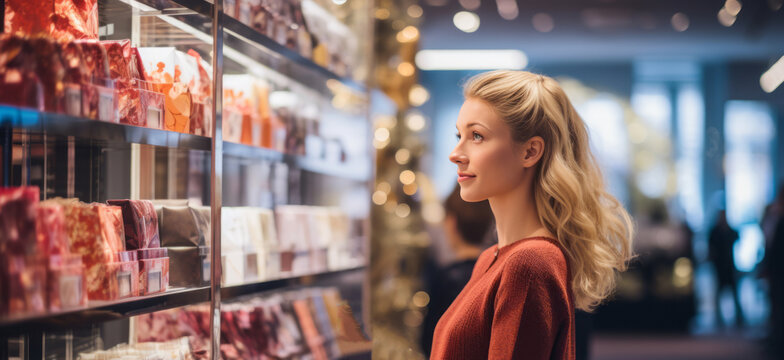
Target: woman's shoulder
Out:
[539,257]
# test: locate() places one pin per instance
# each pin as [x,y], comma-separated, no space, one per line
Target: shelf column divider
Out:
[216,177]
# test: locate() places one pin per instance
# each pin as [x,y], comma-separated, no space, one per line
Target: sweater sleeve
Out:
[530,307]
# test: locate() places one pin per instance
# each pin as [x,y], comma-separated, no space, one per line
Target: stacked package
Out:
[39,272]
[141,236]
[52,61]
[184,233]
[303,26]
[312,323]
[177,349]
[96,231]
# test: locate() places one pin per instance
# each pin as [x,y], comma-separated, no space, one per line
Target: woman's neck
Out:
[516,216]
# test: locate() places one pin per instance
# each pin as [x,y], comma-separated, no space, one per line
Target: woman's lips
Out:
[464,177]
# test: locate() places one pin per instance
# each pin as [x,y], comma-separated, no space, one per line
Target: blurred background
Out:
[684,105]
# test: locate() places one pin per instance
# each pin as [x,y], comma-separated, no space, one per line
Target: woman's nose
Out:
[458,157]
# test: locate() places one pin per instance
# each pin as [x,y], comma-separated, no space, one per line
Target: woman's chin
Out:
[469,196]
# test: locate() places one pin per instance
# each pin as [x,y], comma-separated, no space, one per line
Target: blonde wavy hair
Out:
[592,227]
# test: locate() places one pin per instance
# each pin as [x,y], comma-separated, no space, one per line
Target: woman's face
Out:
[489,161]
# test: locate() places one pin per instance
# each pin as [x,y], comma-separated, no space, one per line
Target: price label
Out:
[154,281]
[124,284]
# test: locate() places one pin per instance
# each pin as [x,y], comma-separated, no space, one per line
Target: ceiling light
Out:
[771,79]
[543,22]
[725,18]
[733,7]
[471,59]
[680,22]
[382,13]
[508,9]
[339,2]
[466,21]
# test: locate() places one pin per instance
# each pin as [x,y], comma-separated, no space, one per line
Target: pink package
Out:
[153,253]
[66,283]
[121,280]
[153,275]
[141,223]
[24,286]
[17,220]
[50,229]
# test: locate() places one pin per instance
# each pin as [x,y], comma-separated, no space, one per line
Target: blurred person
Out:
[562,237]
[773,268]
[466,226]
[720,252]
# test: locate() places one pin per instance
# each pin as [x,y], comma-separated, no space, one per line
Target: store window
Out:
[748,130]
[691,140]
[603,115]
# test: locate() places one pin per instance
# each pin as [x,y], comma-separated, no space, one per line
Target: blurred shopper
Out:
[561,236]
[773,268]
[720,244]
[466,226]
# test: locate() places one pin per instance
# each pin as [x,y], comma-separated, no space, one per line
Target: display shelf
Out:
[175,7]
[82,128]
[235,291]
[243,32]
[350,171]
[99,311]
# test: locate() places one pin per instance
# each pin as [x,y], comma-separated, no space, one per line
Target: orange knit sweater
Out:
[517,305]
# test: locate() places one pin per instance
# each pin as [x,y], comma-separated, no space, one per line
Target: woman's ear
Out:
[532,151]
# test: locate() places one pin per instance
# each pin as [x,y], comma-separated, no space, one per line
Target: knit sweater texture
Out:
[517,305]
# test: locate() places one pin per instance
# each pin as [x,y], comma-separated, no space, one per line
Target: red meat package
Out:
[23,285]
[50,229]
[63,19]
[95,231]
[141,223]
[153,275]
[17,220]
[50,71]
[67,288]
[99,92]
[76,80]
[19,84]
[121,281]
[124,70]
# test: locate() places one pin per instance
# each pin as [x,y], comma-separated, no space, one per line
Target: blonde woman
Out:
[561,237]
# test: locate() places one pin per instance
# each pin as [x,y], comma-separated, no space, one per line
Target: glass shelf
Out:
[99,311]
[82,128]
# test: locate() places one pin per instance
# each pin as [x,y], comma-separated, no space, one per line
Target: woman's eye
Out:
[458,136]
[477,137]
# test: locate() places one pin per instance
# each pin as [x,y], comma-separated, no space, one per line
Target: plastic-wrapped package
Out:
[141,223]
[124,256]
[76,79]
[95,231]
[233,270]
[182,226]
[75,19]
[100,93]
[17,220]
[189,266]
[23,285]
[173,73]
[121,280]
[123,69]
[19,83]
[313,339]
[50,229]
[153,275]
[152,253]
[28,17]
[50,72]
[67,288]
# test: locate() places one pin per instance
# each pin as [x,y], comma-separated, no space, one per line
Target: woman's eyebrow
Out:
[477,124]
